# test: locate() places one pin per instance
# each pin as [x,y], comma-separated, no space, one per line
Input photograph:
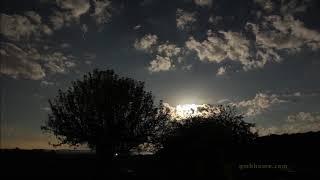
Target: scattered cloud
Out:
[302,93]
[164,54]
[33,16]
[300,122]
[46,109]
[76,8]
[260,103]
[203,3]
[89,56]
[19,27]
[18,63]
[185,19]
[47,83]
[221,71]
[88,62]
[168,50]
[57,62]
[137,27]
[187,67]
[146,42]
[102,11]
[65,45]
[58,20]
[274,34]
[215,19]
[294,6]
[266,5]
[224,101]
[84,29]
[160,64]
[283,7]
[221,46]
[29,63]
[287,33]
[69,11]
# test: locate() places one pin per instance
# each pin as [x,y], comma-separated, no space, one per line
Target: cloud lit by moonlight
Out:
[184,111]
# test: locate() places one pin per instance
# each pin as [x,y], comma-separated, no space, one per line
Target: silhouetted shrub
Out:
[202,146]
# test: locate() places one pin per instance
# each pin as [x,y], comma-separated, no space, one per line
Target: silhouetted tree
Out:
[109,113]
[203,146]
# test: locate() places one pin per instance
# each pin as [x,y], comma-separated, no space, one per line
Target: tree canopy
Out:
[108,112]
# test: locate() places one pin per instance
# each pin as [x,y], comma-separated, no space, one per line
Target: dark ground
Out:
[299,153]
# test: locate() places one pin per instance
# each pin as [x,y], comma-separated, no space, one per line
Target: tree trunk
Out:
[105,161]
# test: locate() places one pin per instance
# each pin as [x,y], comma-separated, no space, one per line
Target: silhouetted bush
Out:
[202,146]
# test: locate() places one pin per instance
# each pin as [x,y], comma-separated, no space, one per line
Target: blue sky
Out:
[260,56]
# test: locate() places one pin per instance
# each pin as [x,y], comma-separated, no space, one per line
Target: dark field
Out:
[273,157]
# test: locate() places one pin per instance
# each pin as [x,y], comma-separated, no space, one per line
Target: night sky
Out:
[261,56]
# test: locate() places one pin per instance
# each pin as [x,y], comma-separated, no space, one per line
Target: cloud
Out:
[224,101]
[36,18]
[184,19]
[273,36]
[19,63]
[259,104]
[302,93]
[88,62]
[75,7]
[70,11]
[65,45]
[168,50]
[102,11]
[84,29]
[18,27]
[57,62]
[211,49]
[264,55]
[286,33]
[221,46]
[89,57]
[58,20]
[160,64]
[146,42]
[164,53]
[137,27]
[294,6]
[181,112]
[262,102]
[47,83]
[221,71]
[203,3]
[46,109]
[215,19]
[300,122]
[28,63]
[187,67]
[266,5]
[70,64]
[285,7]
